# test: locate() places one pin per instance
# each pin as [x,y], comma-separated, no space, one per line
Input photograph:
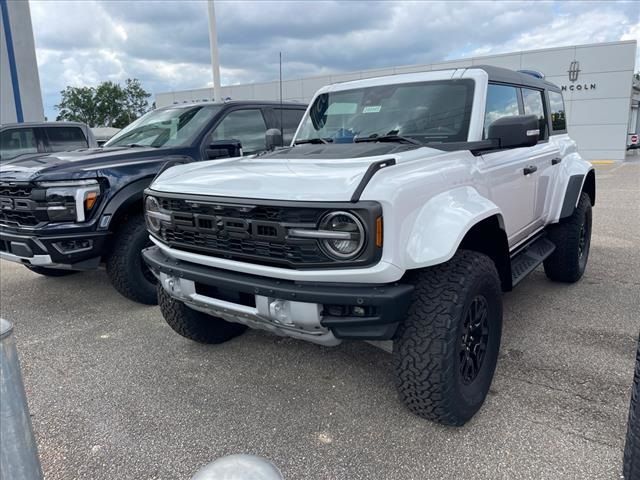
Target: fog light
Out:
[359,311]
[73,246]
[280,311]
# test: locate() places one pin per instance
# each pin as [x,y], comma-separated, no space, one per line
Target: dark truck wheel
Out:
[631,469]
[446,351]
[50,272]
[194,325]
[127,270]
[572,237]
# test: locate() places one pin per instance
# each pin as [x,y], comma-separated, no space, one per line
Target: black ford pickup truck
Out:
[73,211]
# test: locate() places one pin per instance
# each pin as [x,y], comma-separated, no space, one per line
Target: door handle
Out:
[530,169]
[556,161]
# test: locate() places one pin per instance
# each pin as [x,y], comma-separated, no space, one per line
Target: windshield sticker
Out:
[372,109]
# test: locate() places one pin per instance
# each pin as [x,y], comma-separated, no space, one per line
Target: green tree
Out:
[107,105]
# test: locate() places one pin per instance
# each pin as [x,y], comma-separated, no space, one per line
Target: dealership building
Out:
[597,81]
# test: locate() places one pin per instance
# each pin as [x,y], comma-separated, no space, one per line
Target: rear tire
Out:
[631,464]
[195,325]
[126,269]
[446,350]
[572,238]
[50,272]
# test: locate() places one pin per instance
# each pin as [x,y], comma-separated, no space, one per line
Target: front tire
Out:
[446,351]
[572,238]
[195,325]
[50,272]
[126,269]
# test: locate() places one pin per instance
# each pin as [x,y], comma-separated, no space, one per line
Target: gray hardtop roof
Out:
[231,103]
[505,75]
[44,124]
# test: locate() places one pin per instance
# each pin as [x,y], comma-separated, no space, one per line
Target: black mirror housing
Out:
[273,138]
[515,131]
[224,149]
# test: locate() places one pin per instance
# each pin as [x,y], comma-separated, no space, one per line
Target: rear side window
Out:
[65,138]
[17,142]
[558,116]
[248,126]
[502,101]
[290,120]
[534,105]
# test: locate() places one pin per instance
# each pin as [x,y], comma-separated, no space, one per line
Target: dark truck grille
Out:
[244,232]
[17,206]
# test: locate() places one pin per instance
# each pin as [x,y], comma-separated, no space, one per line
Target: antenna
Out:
[281,109]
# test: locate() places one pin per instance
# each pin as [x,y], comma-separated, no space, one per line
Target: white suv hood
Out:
[275,178]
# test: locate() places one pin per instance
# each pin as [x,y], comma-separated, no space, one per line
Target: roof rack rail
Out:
[533,73]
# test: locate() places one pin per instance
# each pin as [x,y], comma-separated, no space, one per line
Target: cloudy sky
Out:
[166,44]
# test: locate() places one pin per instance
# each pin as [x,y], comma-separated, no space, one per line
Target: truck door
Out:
[511,175]
[544,155]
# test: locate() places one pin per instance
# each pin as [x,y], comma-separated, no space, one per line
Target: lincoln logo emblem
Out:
[574,70]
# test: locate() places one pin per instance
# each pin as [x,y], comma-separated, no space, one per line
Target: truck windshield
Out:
[435,111]
[173,127]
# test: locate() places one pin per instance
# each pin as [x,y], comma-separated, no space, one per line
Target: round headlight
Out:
[152,207]
[348,224]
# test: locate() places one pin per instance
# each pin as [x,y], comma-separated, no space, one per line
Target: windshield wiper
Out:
[313,140]
[138,145]
[390,137]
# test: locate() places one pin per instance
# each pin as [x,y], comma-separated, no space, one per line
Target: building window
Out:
[558,115]
[502,101]
[534,105]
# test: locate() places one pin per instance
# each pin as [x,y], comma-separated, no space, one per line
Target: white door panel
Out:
[510,189]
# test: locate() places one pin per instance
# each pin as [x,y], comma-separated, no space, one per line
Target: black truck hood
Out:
[83,163]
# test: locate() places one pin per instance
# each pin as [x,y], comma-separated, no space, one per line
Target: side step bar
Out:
[529,258]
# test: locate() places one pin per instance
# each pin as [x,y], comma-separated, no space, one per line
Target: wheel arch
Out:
[459,218]
[128,200]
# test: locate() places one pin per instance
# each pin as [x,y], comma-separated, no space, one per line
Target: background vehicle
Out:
[22,140]
[404,208]
[71,211]
[104,134]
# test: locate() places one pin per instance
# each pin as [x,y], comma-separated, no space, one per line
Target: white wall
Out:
[597,118]
[19,18]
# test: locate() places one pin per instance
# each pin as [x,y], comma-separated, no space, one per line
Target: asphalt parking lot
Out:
[115,394]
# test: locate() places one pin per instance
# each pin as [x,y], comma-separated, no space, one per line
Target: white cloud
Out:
[165,43]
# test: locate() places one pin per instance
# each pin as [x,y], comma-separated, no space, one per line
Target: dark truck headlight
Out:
[153,214]
[341,235]
[70,200]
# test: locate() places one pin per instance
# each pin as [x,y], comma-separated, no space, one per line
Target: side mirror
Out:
[224,149]
[273,138]
[515,131]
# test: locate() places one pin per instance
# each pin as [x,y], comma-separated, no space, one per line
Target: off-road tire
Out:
[195,325]
[126,268]
[631,468]
[50,272]
[569,260]
[429,346]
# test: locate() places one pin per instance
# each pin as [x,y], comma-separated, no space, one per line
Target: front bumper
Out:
[250,299]
[49,251]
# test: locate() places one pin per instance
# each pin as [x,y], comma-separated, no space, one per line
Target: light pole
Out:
[215,58]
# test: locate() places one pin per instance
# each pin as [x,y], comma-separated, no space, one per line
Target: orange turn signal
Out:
[379,232]
[90,200]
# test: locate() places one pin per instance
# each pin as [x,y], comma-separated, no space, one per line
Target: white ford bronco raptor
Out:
[402,210]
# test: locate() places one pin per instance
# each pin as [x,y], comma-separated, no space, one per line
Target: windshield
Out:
[173,127]
[436,111]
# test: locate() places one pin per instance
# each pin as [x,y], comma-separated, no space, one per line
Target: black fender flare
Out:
[125,197]
[571,195]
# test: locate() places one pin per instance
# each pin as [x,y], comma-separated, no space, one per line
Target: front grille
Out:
[19,217]
[255,232]
[17,191]
[19,205]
